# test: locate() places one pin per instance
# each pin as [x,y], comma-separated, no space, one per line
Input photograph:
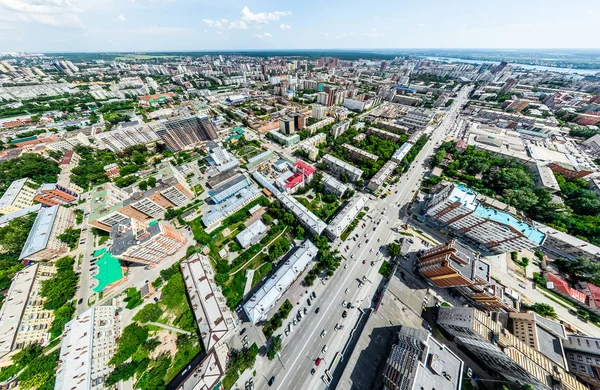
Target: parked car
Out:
[243,331]
[271,381]
[344,314]
[323,333]
[317,310]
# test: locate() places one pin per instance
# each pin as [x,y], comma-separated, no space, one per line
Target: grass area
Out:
[240,361]
[103,239]
[320,208]
[198,189]
[385,270]
[261,272]
[352,226]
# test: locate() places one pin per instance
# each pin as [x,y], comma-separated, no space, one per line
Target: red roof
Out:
[66,158]
[563,287]
[294,180]
[304,167]
[154,97]
[594,293]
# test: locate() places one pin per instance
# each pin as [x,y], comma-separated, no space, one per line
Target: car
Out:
[80,301]
[287,332]
[324,348]
[243,331]
[251,382]
[271,381]
[346,292]
[245,339]
[371,250]
[295,322]
[367,240]
[365,261]
[308,301]
[352,256]
[317,310]
[359,245]
[469,372]
[345,314]
[155,299]
[312,372]
[314,294]
[365,234]
[372,263]
[323,333]
[522,286]
[305,310]
[374,229]
[344,303]
[246,345]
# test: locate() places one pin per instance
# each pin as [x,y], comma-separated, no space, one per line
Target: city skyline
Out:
[154,25]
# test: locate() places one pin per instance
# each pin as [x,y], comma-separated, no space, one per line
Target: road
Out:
[305,344]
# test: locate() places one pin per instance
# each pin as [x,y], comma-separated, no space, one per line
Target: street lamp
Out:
[279,358]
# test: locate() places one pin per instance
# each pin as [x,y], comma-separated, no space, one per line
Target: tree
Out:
[61,287]
[274,347]
[151,182]
[394,249]
[70,237]
[132,337]
[149,313]
[143,186]
[545,310]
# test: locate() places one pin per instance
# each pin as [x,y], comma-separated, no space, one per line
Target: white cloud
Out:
[57,13]
[285,26]
[221,24]
[238,24]
[373,33]
[262,17]
[121,18]
[161,30]
[263,36]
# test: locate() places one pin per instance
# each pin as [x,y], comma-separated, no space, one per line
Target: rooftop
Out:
[130,233]
[11,193]
[39,235]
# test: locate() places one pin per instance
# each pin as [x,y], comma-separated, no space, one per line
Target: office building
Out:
[417,119]
[187,132]
[358,154]
[417,360]
[42,242]
[508,86]
[460,210]
[333,186]
[340,167]
[319,111]
[339,128]
[52,194]
[89,342]
[19,195]
[23,319]
[252,234]
[265,298]
[208,304]
[229,188]
[583,358]
[344,218]
[285,140]
[143,243]
[486,339]
[299,121]
[286,126]
[381,176]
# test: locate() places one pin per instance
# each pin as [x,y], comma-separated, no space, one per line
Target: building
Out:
[19,195]
[89,342]
[542,334]
[208,304]
[128,134]
[259,159]
[417,119]
[508,86]
[53,194]
[265,298]
[382,175]
[219,212]
[286,125]
[187,132]
[299,121]
[23,319]
[569,171]
[304,215]
[460,210]
[517,105]
[402,152]
[454,265]
[418,360]
[300,175]
[384,134]
[344,218]
[354,104]
[340,167]
[546,178]
[333,186]
[42,242]
[320,124]
[583,358]
[144,243]
[229,188]
[565,245]
[359,154]
[252,234]
[339,128]
[285,140]
[319,111]
[486,339]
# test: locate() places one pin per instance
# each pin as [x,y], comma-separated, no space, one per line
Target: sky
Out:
[199,25]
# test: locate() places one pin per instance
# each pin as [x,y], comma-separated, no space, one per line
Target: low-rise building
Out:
[19,195]
[23,319]
[229,188]
[219,212]
[418,360]
[339,128]
[265,298]
[340,167]
[285,140]
[304,215]
[50,194]
[565,245]
[417,119]
[383,134]
[546,178]
[128,134]
[382,175]
[359,154]
[333,186]
[259,159]
[252,234]
[344,218]
[42,242]
[88,344]
[402,152]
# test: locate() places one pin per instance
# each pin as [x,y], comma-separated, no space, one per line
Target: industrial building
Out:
[229,188]
[219,212]
[259,159]
[42,242]
[417,119]
[344,218]
[266,297]
[285,140]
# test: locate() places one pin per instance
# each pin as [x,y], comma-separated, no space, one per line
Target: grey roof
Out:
[251,234]
[123,236]
[11,193]
[37,239]
[4,219]
[550,346]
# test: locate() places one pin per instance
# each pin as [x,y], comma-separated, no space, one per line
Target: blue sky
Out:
[170,25]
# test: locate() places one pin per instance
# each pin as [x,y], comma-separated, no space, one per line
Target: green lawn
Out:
[261,272]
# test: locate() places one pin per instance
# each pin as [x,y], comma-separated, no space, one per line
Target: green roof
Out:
[14,141]
[109,270]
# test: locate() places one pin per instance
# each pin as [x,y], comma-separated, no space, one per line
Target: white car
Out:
[324,349]
[344,303]
[323,333]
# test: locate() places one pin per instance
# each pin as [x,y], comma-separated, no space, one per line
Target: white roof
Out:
[343,164]
[4,219]
[204,295]
[248,236]
[40,232]
[267,296]
[306,217]
[11,193]
[341,221]
[402,152]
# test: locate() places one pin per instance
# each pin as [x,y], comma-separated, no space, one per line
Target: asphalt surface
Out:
[304,344]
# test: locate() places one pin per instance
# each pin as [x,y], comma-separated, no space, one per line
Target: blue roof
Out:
[499,216]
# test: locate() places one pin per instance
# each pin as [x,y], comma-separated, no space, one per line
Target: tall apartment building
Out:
[418,360]
[286,125]
[455,265]
[330,90]
[583,358]
[299,121]
[23,319]
[487,340]
[323,98]
[19,195]
[457,208]
[42,242]
[128,135]
[318,111]
[182,133]
[145,243]
[89,342]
